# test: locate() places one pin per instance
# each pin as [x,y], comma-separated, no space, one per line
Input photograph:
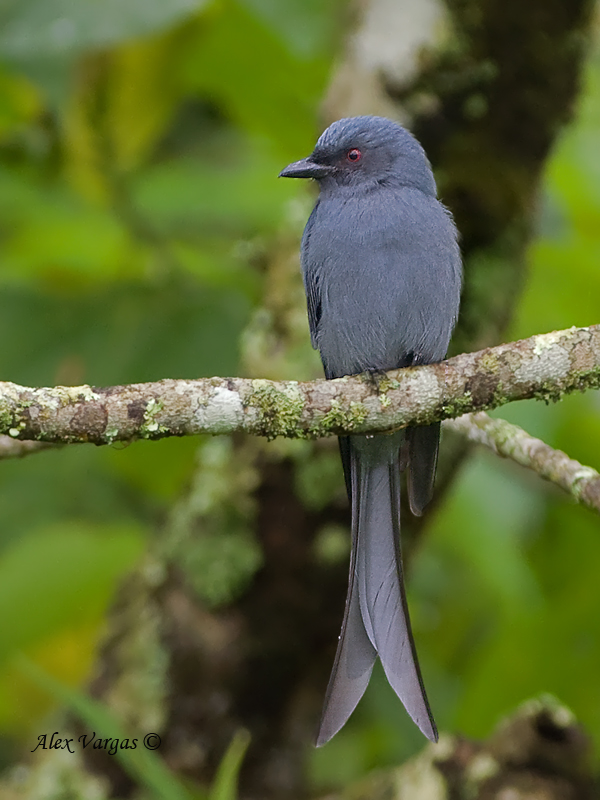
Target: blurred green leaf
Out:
[271,92]
[152,472]
[557,649]
[225,783]
[120,334]
[494,551]
[19,102]
[190,198]
[564,279]
[60,576]
[142,95]
[56,27]
[308,27]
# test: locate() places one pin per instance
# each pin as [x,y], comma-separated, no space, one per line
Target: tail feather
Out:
[423,444]
[355,654]
[350,675]
[376,621]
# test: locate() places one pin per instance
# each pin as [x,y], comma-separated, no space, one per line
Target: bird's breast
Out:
[386,271]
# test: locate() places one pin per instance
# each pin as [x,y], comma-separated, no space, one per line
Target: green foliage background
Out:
[140,142]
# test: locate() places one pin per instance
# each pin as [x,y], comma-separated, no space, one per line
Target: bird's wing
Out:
[311,280]
[313,304]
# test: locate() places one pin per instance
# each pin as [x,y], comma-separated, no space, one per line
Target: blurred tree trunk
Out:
[486,85]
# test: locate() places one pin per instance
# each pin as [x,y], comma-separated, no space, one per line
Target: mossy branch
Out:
[546,367]
[510,441]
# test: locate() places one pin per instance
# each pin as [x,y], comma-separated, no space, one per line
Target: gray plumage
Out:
[382,274]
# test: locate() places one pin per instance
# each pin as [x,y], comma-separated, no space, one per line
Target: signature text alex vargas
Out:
[151,741]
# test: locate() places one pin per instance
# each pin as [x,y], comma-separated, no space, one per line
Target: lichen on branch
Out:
[510,441]
[545,367]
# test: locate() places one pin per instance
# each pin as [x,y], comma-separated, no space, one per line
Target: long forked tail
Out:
[376,621]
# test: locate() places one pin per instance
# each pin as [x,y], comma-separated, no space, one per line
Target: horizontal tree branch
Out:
[510,441]
[545,367]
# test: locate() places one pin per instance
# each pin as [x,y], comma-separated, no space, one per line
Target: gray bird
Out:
[382,274]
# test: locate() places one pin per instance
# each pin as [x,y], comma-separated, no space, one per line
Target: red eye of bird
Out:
[354,154]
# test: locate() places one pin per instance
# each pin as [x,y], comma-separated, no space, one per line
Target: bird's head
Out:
[366,150]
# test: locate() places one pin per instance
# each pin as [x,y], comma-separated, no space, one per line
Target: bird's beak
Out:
[306,169]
